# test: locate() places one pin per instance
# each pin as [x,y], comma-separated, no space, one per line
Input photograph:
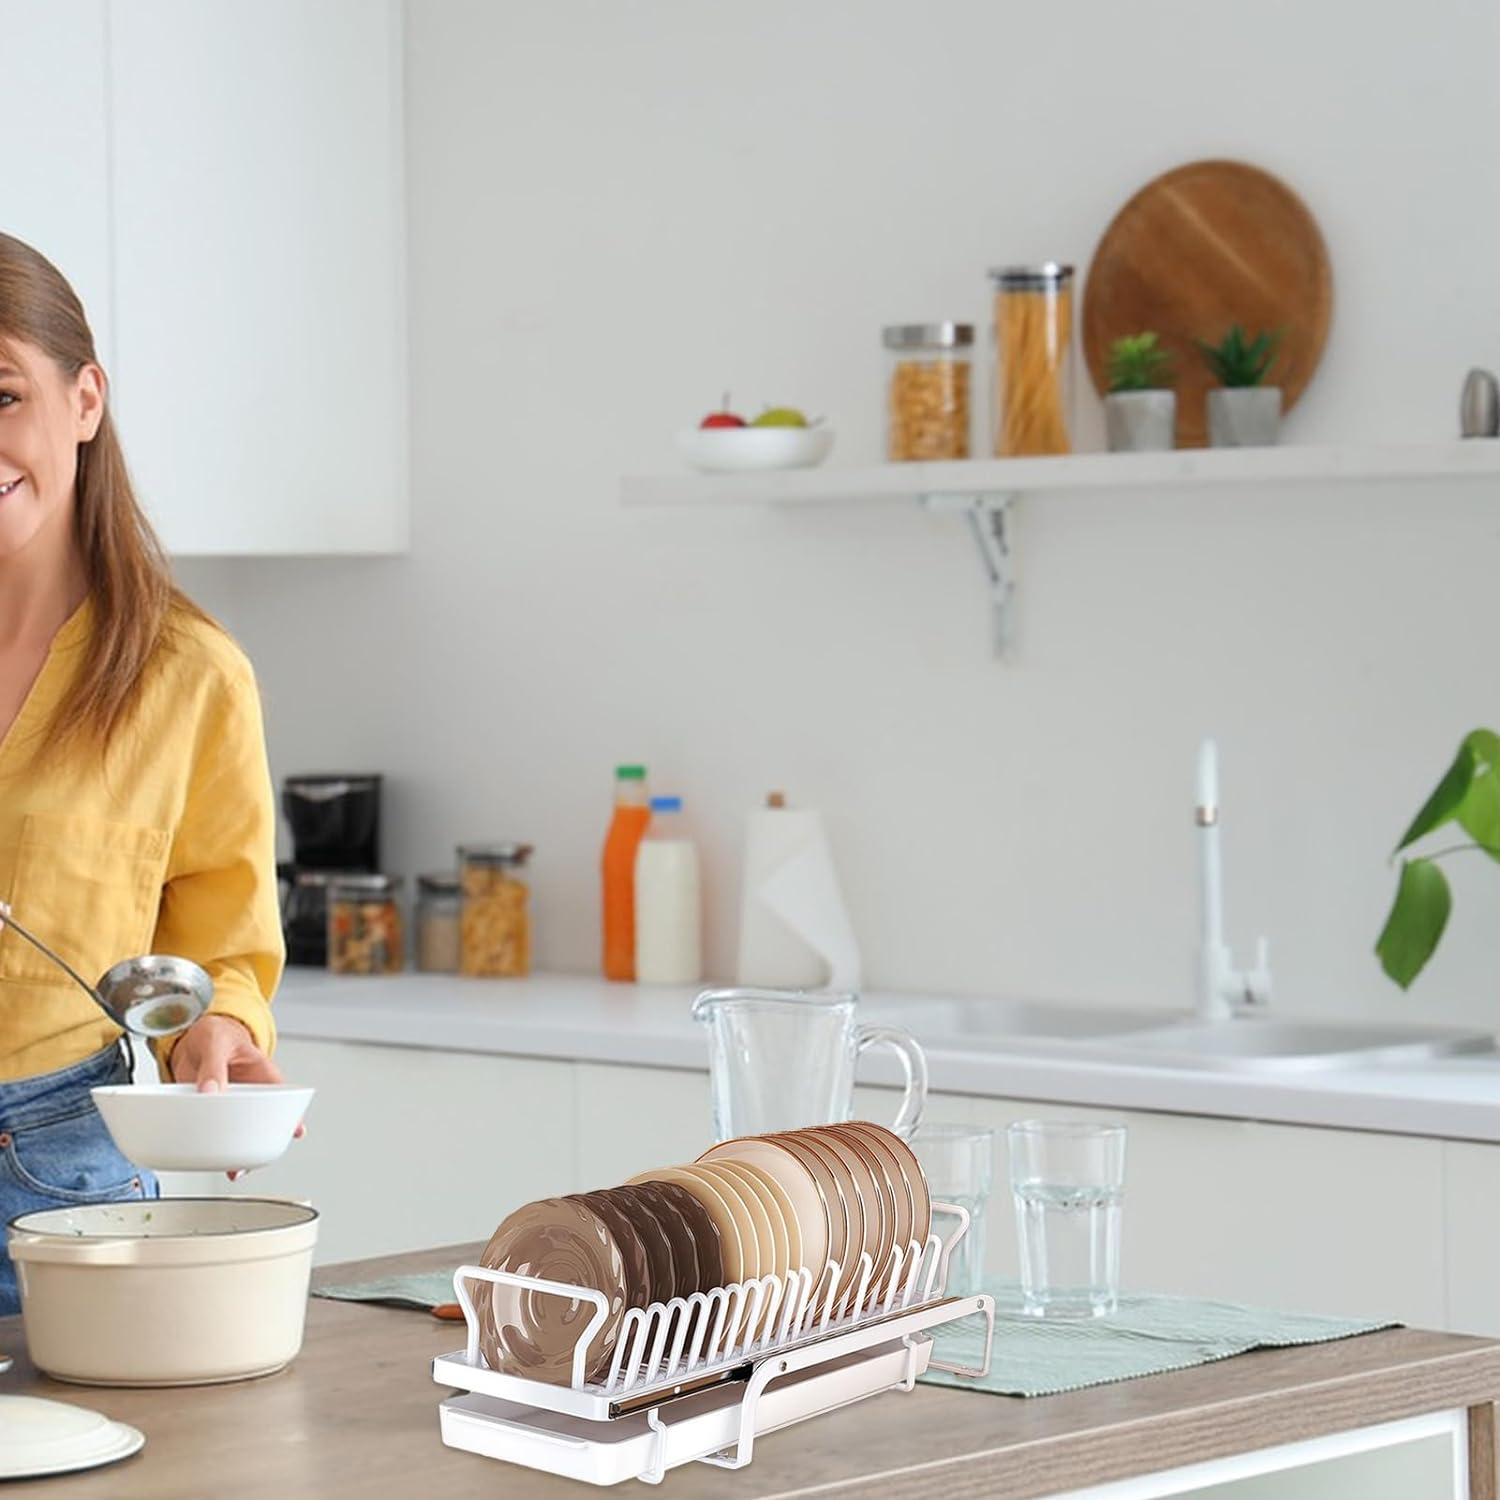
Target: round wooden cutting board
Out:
[1204,246]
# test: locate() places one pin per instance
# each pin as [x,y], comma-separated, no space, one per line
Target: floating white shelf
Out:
[984,490]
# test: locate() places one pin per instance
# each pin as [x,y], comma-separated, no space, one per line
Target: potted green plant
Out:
[1140,409]
[1244,412]
[1468,796]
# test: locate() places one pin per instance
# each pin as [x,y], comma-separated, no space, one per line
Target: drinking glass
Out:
[957,1161]
[1068,1180]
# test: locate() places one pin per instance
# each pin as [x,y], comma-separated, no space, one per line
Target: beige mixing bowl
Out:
[164,1291]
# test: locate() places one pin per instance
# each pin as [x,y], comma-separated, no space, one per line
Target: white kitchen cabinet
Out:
[258,265]
[409,1148]
[1471,1174]
[1340,1222]
[630,1119]
[54,181]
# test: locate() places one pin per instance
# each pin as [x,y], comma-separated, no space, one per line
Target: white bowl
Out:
[737,450]
[164,1291]
[171,1127]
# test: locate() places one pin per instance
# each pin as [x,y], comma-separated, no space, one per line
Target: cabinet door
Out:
[630,1119]
[1471,1175]
[258,244]
[1308,1220]
[54,178]
[407,1149]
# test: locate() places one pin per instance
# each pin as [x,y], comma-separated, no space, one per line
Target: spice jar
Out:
[439,908]
[927,390]
[365,934]
[1033,326]
[495,918]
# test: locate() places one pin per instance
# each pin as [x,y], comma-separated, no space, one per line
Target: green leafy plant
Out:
[1137,362]
[1241,361]
[1468,795]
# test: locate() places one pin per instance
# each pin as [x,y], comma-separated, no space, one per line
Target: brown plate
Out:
[804,1206]
[732,1248]
[836,1214]
[854,1208]
[666,1218]
[869,1188]
[878,1193]
[899,1193]
[916,1181]
[534,1334]
[703,1231]
[640,1276]
[1207,245]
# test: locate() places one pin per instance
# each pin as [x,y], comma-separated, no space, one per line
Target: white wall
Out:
[617,211]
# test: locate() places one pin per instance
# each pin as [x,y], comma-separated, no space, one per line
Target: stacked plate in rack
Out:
[846,1202]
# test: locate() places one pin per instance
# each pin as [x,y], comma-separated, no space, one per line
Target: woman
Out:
[136,811]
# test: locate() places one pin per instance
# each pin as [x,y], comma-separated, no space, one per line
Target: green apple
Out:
[780,416]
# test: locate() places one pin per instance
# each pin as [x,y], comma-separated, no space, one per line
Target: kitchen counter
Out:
[581,1018]
[356,1414]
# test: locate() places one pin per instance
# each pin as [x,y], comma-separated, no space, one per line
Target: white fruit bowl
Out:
[739,450]
[171,1127]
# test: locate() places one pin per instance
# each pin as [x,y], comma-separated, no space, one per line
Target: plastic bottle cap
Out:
[630,773]
[666,804]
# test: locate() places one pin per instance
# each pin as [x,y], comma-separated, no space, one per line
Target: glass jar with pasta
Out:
[495,916]
[1033,386]
[365,930]
[927,390]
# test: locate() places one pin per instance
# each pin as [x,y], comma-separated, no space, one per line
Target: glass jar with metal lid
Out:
[365,931]
[1033,385]
[437,922]
[928,408]
[495,917]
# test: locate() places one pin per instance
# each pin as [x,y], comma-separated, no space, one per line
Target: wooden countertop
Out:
[356,1414]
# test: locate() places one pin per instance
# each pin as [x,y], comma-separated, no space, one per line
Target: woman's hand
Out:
[218,1050]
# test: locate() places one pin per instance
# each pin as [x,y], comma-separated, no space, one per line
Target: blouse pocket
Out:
[88,888]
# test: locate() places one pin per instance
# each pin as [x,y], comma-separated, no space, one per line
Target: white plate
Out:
[739,450]
[40,1437]
[171,1127]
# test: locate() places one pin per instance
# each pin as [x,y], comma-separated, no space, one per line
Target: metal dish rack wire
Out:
[699,1378]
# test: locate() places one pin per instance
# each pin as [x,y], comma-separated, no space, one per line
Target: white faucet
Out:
[1223,990]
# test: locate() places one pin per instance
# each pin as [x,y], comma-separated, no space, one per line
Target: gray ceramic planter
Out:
[1140,421]
[1247,416]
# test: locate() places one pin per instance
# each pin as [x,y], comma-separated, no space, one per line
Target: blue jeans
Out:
[55,1151]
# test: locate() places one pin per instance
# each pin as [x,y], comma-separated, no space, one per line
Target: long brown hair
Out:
[129,580]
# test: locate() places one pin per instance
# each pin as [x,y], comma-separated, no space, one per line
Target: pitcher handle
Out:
[913,1063]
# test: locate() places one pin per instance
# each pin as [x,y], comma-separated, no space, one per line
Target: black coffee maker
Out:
[335,826]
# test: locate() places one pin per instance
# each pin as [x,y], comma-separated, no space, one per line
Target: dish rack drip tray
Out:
[779,1352]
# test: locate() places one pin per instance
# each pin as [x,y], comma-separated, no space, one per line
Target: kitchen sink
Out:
[932,1020]
[1258,1043]
[1254,1043]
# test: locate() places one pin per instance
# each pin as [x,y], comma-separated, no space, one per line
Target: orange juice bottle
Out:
[632,814]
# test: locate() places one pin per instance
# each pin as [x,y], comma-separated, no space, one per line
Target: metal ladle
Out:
[150,996]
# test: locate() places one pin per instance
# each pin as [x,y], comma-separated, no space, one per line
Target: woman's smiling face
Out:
[44,415]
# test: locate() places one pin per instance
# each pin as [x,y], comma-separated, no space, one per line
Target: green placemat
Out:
[1149,1334]
[425,1289]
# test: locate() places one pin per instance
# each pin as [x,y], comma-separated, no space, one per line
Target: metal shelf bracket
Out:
[989,518]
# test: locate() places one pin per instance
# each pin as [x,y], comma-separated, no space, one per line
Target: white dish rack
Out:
[700,1378]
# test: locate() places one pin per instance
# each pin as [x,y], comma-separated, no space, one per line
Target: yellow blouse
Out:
[166,845]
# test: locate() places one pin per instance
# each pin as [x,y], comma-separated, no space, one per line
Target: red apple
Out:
[723,417]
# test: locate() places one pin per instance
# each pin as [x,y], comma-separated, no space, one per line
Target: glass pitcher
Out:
[782,1059]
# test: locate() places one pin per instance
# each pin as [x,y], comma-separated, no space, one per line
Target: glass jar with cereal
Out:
[365,931]
[928,408]
[495,920]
